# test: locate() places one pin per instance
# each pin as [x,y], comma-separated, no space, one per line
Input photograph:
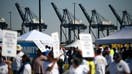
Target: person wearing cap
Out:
[16,64]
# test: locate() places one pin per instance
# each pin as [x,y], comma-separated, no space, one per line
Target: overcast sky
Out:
[50,17]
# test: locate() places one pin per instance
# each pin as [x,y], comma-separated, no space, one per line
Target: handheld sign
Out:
[86,45]
[40,44]
[9,42]
[56,44]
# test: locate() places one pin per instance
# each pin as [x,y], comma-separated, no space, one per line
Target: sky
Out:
[50,17]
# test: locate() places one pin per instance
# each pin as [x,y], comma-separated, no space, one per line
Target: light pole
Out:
[74,20]
[10,13]
[74,12]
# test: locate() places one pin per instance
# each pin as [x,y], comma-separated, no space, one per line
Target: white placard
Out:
[56,44]
[40,44]
[86,45]
[9,42]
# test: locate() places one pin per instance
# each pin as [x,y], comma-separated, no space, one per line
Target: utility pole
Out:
[10,20]
[74,19]
[40,28]
[74,12]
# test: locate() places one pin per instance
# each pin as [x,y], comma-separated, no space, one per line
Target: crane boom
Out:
[85,13]
[116,15]
[57,11]
[88,18]
[20,11]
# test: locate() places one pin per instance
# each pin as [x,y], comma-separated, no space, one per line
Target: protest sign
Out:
[9,42]
[56,44]
[86,45]
[40,44]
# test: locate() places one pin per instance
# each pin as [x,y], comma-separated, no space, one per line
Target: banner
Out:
[9,42]
[86,45]
[56,44]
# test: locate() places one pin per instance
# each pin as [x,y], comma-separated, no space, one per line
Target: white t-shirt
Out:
[27,69]
[81,69]
[119,68]
[17,61]
[100,63]
[55,69]
[4,69]
[129,61]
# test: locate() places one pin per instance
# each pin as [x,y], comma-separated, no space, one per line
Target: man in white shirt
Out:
[17,60]
[119,66]
[78,67]
[100,63]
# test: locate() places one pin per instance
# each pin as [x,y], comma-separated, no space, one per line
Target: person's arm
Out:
[51,65]
[8,62]
[42,57]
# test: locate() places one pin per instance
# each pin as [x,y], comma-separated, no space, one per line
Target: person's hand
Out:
[8,62]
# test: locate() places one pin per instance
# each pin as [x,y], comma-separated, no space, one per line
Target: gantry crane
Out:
[102,24]
[29,20]
[96,21]
[126,19]
[73,26]
[69,27]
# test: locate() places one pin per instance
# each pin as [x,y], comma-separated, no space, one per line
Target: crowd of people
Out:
[107,60]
